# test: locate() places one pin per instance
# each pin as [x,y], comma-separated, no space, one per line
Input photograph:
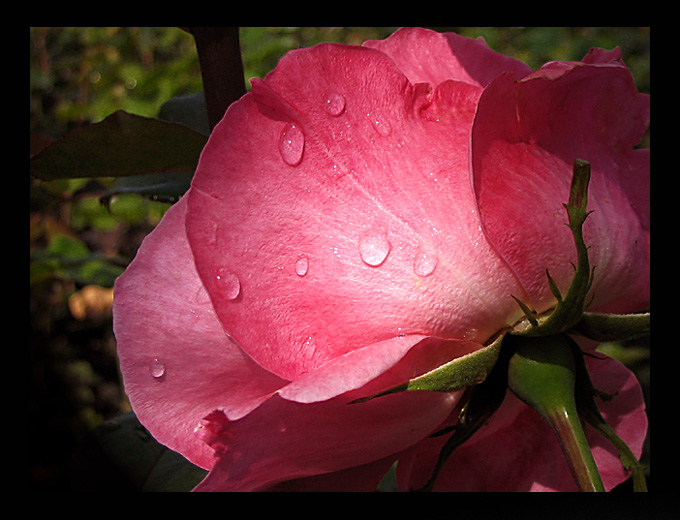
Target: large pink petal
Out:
[296,440]
[517,451]
[178,364]
[332,209]
[364,478]
[426,56]
[525,139]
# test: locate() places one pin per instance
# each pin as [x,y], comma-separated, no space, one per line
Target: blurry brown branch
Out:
[219,54]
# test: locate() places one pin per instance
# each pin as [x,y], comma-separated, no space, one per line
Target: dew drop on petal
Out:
[470,334]
[302,266]
[157,368]
[381,125]
[425,262]
[335,104]
[292,144]
[374,248]
[228,285]
[337,172]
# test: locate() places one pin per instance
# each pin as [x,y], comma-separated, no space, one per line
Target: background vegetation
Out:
[78,245]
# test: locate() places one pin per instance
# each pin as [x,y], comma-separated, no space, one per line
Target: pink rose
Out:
[367,214]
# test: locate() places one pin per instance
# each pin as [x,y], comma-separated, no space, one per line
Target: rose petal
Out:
[178,364]
[340,228]
[364,478]
[432,57]
[349,371]
[376,368]
[517,451]
[300,440]
[525,139]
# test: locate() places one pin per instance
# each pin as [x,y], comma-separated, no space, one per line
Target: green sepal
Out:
[569,308]
[553,287]
[585,395]
[479,403]
[530,316]
[613,327]
[628,459]
[457,374]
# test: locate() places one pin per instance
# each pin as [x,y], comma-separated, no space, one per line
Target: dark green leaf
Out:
[122,144]
[148,465]
[189,110]
[165,187]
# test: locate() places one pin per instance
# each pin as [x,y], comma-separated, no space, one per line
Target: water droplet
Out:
[425,262]
[470,334]
[157,368]
[228,285]
[335,104]
[302,266]
[292,144]
[337,171]
[380,124]
[374,248]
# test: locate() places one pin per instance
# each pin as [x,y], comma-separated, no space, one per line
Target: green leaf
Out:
[70,259]
[170,186]
[67,248]
[147,464]
[189,110]
[123,144]
[164,187]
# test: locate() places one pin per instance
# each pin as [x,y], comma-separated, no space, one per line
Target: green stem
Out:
[542,373]
[569,308]
[569,431]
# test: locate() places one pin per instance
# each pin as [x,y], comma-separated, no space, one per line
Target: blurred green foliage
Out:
[81,75]
[263,46]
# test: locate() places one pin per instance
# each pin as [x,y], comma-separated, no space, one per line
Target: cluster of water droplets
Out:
[292,137]
[373,246]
